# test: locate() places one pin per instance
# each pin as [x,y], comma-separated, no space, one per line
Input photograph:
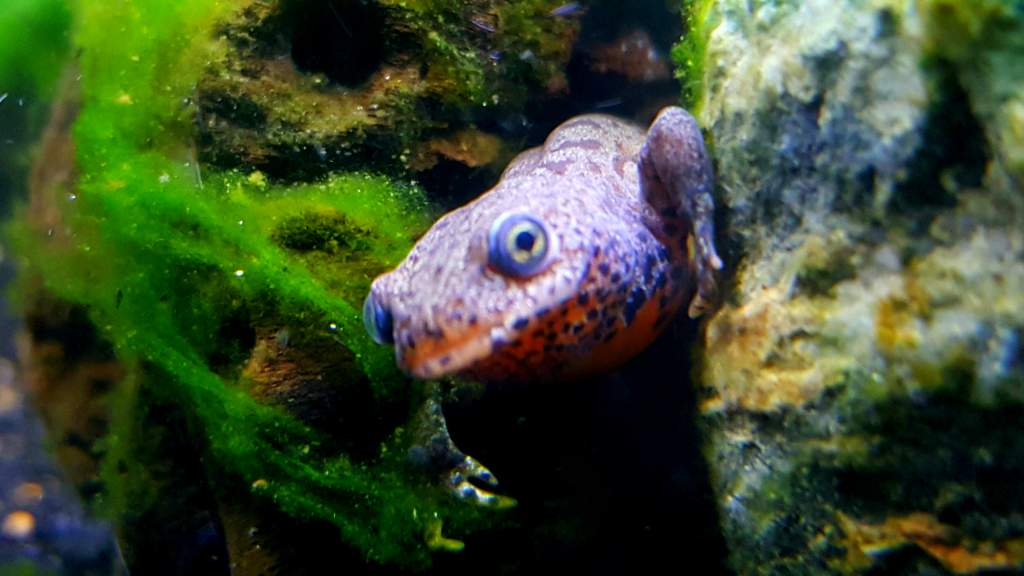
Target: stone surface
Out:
[865,366]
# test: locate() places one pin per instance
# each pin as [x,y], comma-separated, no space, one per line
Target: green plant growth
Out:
[688,53]
[162,254]
[28,73]
[31,68]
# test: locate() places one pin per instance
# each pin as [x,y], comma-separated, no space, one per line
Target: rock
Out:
[865,367]
[307,87]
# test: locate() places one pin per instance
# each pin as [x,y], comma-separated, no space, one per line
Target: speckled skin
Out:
[629,217]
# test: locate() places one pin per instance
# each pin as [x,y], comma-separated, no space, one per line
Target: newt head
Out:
[572,264]
[478,282]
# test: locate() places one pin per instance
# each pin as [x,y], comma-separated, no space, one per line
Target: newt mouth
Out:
[448,354]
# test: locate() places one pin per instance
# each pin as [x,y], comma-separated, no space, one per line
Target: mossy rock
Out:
[861,385]
[310,86]
[231,298]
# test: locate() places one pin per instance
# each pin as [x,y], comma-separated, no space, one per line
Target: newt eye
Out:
[518,245]
[378,321]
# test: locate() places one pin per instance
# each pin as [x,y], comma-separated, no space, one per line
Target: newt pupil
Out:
[525,240]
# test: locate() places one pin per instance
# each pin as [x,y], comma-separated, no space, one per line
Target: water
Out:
[197,198]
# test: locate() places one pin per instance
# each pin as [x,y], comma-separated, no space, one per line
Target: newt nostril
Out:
[378,320]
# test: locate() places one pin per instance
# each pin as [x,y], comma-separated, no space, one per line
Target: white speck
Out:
[164,178]
[332,326]
[21,102]
[3,97]
[526,55]
[241,222]
[72,197]
[239,273]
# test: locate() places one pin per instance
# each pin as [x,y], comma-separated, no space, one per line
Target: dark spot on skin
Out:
[551,336]
[565,312]
[542,312]
[520,323]
[538,333]
[584,143]
[597,251]
[668,212]
[670,229]
[409,341]
[446,360]
[473,320]
[602,294]
[435,333]
[663,302]
[610,335]
[663,254]
[616,278]
[577,328]
[558,167]
[586,270]
[622,289]
[548,347]
[498,344]
[566,327]
[583,298]
[637,298]
[649,263]
[660,281]
[592,314]
[604,268]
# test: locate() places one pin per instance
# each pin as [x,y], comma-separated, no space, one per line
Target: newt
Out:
[570,265]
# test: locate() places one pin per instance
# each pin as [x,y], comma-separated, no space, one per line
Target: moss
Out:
[24,568]
[688,53]
[826,263]
[907,447]
[983,40]
[31,68]
[170,258]
[324,232]
[292,97]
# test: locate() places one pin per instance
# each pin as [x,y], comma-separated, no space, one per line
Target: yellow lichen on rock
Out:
[958,554]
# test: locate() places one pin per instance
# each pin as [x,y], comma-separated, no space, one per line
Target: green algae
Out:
[32,68]
[28,73]
[688,54]
[164,253]
[292,99]
[983,41]
[24,568]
